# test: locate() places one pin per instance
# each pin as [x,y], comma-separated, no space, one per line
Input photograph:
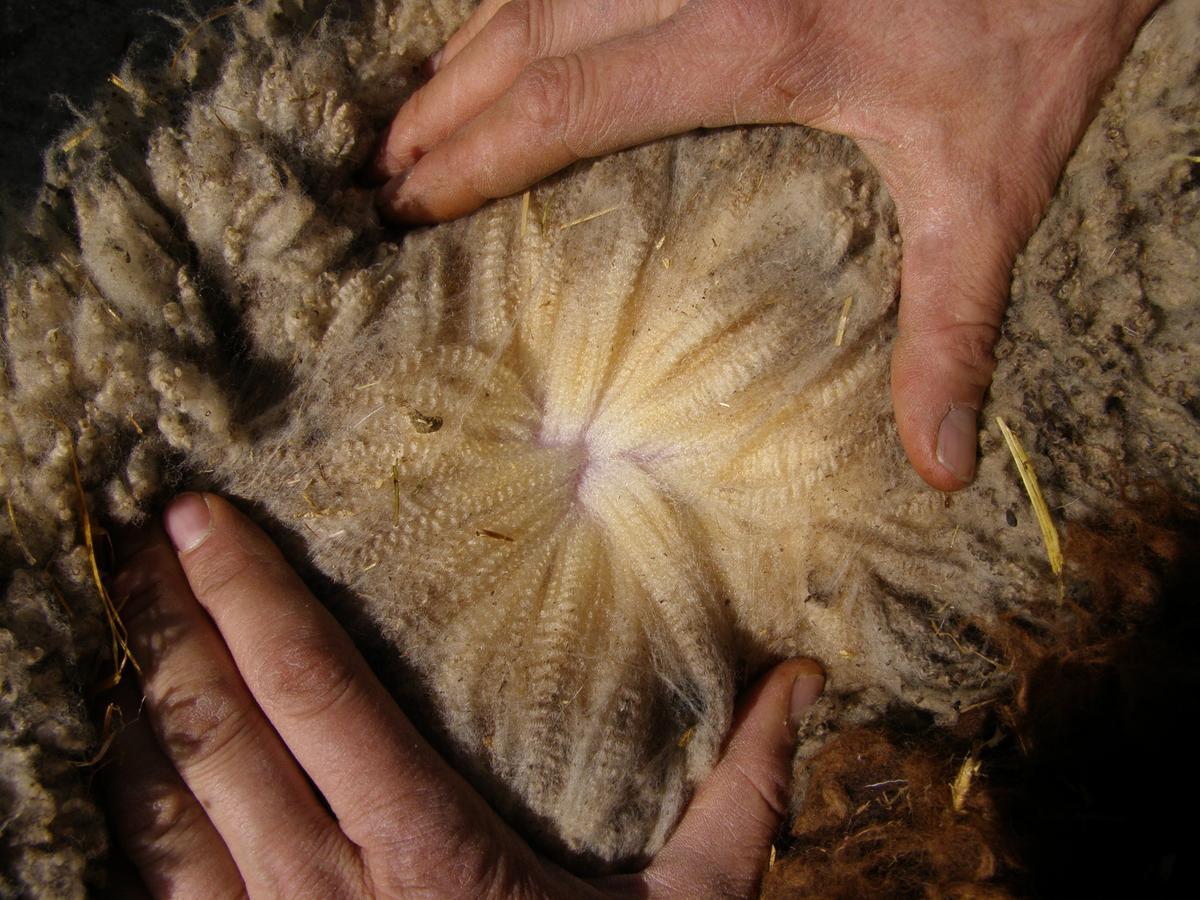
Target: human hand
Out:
[968,110]
[266,759]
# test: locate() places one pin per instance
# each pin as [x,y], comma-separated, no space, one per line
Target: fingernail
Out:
[805,690]
[188,521]
[958,437]
[432,64]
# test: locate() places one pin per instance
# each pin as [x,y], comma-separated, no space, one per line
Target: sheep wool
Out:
[573,468]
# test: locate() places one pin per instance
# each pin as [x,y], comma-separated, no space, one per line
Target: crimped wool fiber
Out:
[575,467]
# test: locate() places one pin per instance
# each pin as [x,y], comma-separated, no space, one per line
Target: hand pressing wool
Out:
[250,685]
[969,111]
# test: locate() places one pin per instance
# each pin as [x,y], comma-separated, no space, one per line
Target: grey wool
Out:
[573,468]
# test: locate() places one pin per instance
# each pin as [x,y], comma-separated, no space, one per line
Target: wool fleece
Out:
[571,469]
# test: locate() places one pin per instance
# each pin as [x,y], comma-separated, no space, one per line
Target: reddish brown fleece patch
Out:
[1082,787]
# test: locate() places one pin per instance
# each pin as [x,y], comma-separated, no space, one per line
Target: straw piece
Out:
[962,782]
[76,139]
[589,217]
[396,493]
[62,600]
[841,329]
[119,637]
[30,559]
[1040,509]
[108,733]
[187,38]
[686,737]
[488,533]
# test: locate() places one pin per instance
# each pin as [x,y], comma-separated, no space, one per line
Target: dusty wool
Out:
[573,467]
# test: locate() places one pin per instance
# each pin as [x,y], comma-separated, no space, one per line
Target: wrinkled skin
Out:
[257,708]
[969,111]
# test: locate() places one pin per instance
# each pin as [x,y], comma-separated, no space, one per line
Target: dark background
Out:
[55,51]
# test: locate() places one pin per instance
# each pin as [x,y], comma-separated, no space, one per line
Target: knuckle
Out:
[970,346]
[481,869]
[142,584]
[473,863]
[764,24]
[525,27]
[778,63]
[198,720]
[506,881]
[769,784]
[799,91]
[557,95]
[543,92]
[326,870]
[158,824]
[304,671]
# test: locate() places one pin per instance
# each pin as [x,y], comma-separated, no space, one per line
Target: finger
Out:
[474,75]
[953,292]
[475,22]
[392,794]
[219,742]
[687,72]
[720,847]
[160,825]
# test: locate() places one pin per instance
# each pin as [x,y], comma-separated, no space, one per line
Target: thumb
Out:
[953,292]
[721,846]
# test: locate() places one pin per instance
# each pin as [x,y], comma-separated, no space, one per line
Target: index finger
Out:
[379,776]
[710,64]
[474,72]
[592,101]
